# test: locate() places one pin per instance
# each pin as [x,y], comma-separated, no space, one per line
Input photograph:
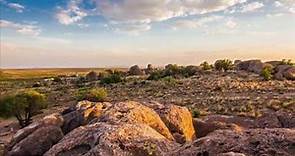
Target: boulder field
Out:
[132,128]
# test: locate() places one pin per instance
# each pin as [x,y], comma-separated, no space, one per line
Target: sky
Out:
[121,33]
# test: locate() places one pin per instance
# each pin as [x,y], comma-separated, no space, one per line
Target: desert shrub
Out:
[173,70]
[206,66]
[287,62]
[223,65]
[57,79]
[169,80]
[94,94]
[156,75]
[113,77]
[91,76]
[196,113]
[23,106]
[266,73]
[189,71]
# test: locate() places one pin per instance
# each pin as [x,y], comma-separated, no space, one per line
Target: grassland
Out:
[26,74]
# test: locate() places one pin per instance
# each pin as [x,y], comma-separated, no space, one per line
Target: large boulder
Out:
[179,121]
[274,63]
[255,66]
[284,72]
[92,110]
[102,139]
[135,70]
[73,120]
[287,119]
[204,128]
[91,76]
[133,112]
[289,74]
[212,123]
[55,120]
[249,142]
[38,142]
[150,69]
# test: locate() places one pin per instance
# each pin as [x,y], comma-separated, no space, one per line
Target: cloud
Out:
[72,14]
[25,29]
[288,5]
[195,23]
[231,24]
[130,29]
[18,7]
[278,4]
[146,12]
[252,7]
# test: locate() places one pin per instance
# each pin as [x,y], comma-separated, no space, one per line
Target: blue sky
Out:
[108,33]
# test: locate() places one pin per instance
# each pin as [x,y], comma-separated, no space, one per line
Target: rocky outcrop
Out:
[284,72]
[248,142]
[54,120]
[205,127]
[37,142]
[135,70]
[133,112]
[91,76]
[179,121]
[105,139]
[132,128]
[255,66]
[289,74]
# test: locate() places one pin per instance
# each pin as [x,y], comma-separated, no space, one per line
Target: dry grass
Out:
[18,74]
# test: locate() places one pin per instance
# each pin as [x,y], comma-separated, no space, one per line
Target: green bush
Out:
[287,62]
[224,65]
[23,106]
[266,73]
[206,66]
[169,80]
[111,78]
[173,70]
[94,94]
[156,75]
[189,71]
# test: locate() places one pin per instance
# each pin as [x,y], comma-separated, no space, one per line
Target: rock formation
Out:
[132,128]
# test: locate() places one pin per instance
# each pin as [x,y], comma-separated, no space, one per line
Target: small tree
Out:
[223,65]
[22,105]
[206,66]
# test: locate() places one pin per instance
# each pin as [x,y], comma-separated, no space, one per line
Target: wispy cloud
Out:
[25,29]
[195,23]
[17,7]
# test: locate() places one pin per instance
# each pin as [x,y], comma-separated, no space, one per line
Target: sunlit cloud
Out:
[71,14]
